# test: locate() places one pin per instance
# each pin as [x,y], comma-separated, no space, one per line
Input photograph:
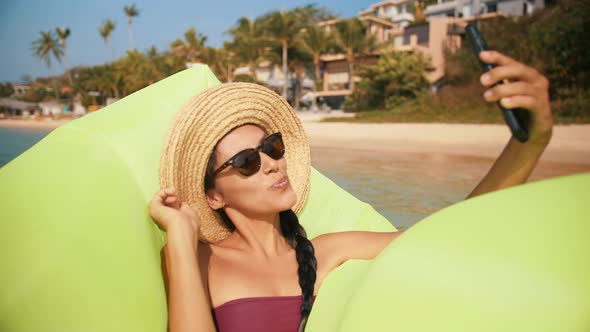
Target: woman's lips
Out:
[281,183]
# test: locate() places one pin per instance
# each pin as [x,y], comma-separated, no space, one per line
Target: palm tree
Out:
[299,61]
[312,14]
[248,43]
[352,37]
[316,41]
[220,62]
[63,33]
[105,32]
[192,47]
[131,12]
[283,27]
[47,47]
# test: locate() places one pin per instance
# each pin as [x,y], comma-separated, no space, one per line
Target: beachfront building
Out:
[395,28]
[20,90]
[432,38]
[51,107]
[397,11]
[10,107]
[271,75]
[334,66]
[470,8]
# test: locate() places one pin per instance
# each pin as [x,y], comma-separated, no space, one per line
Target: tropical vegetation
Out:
[395,85]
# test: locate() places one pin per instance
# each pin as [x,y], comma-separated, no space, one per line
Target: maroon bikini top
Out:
[260,314]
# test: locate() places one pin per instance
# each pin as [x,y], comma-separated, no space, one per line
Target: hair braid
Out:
[297,238]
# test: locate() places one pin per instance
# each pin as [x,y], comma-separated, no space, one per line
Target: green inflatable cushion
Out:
[79,251]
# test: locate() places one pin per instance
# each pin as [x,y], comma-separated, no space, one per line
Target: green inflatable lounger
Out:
[79,251]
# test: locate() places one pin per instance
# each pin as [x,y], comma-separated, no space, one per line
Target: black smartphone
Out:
[518,118]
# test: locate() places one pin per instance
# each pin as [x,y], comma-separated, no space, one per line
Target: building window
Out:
[338,77]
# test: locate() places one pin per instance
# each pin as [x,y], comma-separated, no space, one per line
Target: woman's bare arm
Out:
[336,248]
[524,87]
[188,300]
[184,275]
[513,167]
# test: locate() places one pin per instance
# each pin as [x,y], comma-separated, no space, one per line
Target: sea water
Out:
[403,187]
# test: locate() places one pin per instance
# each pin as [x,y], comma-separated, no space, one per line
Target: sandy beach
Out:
[570,143]
[47,123]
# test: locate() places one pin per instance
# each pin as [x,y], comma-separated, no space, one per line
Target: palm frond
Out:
[47,47]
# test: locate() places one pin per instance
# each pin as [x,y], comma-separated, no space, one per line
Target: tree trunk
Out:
[67,70]
[298,87]
[350,71]
[317,87]
[229,73]
[69,75]
[284,42]
[106,46]
[316,63]
[131,35]
[116,91]
[253,70]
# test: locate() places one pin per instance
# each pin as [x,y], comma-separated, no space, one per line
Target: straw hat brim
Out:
[208,117]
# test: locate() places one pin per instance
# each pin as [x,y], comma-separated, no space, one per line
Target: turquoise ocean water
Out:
[404,187]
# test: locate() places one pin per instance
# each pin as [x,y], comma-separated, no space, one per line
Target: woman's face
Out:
[257,195]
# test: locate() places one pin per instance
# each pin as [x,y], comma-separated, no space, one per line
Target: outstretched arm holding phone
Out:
[524,87]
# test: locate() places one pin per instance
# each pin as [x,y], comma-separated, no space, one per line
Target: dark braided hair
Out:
[295,235]
[297,238]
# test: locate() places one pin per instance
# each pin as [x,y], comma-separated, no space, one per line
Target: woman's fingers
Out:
[510,89]
[167,197]
[526,102]
[512,71]
[173,202]
[165,192]
[496,58]
[508,68]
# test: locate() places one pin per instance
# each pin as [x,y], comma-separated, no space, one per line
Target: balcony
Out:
[403,17]
[440,8]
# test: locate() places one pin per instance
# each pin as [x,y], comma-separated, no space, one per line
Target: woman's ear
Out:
[215,199]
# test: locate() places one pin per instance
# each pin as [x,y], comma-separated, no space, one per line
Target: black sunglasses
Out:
[247,162]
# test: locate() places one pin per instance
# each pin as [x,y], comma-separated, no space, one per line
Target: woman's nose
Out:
[269,164]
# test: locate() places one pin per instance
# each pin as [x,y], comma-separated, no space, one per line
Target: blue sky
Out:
[159,23]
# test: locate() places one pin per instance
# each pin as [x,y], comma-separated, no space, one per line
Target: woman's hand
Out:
[173,216]
[523,87]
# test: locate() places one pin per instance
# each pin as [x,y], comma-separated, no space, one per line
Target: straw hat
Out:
[208,117]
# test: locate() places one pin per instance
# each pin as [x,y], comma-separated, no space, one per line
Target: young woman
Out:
[235,170]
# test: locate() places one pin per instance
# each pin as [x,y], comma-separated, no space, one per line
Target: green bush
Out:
[398,77]
[553,40]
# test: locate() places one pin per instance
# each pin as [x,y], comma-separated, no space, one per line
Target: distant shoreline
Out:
[569,144]
[31,124]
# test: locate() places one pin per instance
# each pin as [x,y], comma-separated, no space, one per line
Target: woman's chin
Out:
[287,200]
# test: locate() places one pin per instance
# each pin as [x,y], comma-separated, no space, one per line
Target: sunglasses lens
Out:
[273,147]
[247,162]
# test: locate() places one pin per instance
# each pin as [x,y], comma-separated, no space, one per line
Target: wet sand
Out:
[569,144]
[47,124]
